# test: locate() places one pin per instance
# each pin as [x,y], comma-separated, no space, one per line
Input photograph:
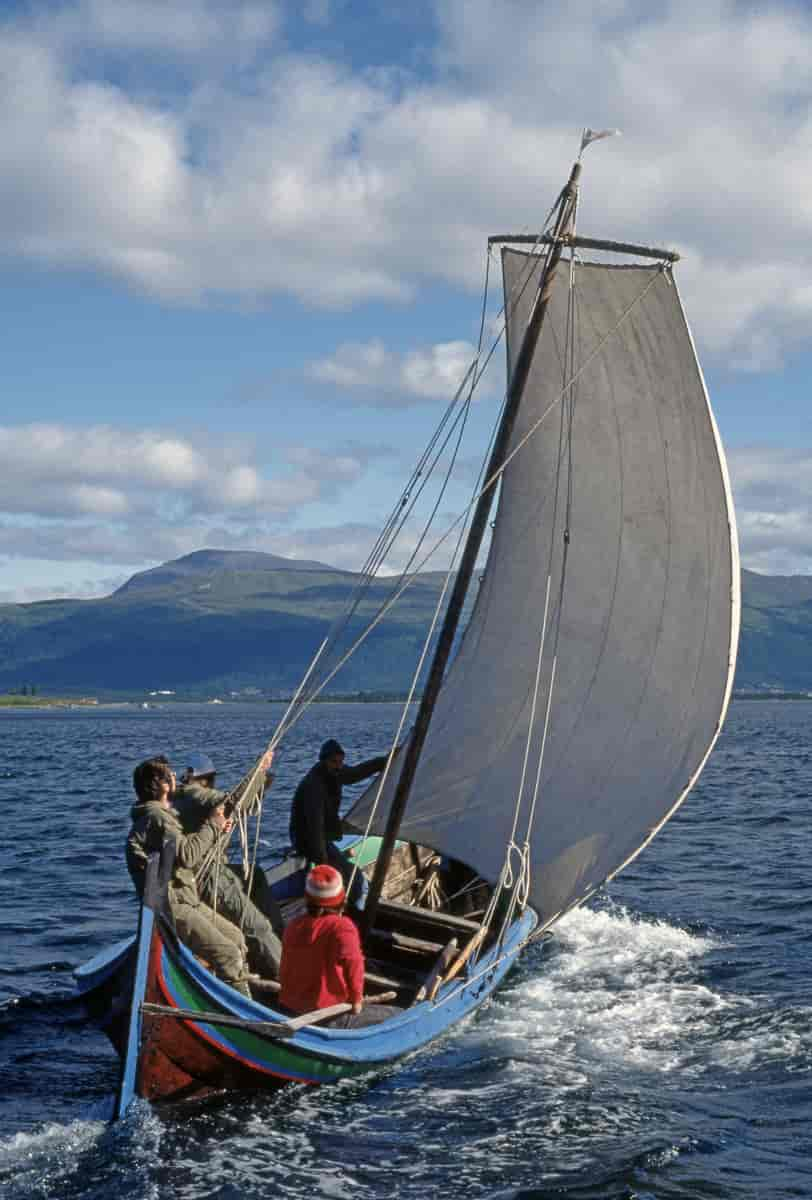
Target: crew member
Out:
[322,960]
[315,824]
[210,935]
[223,887]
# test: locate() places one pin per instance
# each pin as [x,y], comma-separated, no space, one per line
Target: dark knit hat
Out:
[330,748]
[325,886]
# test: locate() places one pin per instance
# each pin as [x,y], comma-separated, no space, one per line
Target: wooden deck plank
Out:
[394,909]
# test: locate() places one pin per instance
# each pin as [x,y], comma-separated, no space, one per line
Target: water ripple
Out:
[660,1046]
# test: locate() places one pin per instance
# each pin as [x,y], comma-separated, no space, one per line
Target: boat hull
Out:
[184,1058]
[169,1058]
[177,1059]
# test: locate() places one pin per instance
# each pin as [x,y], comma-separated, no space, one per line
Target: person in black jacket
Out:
[315,823]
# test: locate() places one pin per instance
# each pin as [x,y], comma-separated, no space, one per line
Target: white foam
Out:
[75,1136]
[616,991]
[51,1155]
[46,1156]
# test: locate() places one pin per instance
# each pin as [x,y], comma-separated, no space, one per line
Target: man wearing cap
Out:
[154,821]
[195,800]
[322,960]
[315,824]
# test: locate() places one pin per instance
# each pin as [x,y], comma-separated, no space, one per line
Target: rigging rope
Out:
[299,705]
[460,520]
[527,274]
[437,610]
[400,514]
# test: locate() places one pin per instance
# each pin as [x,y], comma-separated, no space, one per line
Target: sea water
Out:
[660,1045]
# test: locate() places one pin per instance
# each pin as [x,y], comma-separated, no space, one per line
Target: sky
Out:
[242,248]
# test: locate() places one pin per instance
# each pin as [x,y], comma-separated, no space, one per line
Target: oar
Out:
[335,1010]
[436,974]
[269,1029]
[459,962]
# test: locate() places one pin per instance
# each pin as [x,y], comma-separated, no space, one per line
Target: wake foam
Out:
[60,1159]
[612,990]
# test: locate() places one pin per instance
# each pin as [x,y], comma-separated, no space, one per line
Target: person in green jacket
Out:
[208,934]
[223,888]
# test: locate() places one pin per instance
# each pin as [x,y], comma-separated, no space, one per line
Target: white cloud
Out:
[169,460]
[347,545]
[184,28]
[241,486]
[431,373]
[344,545]
[157,479]
[49,455]
[262,171]
[112,497]
[77,589]
[773,494]
[103,501]
[125,519]
[193,151]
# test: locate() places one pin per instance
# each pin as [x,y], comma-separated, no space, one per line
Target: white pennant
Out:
[594,135]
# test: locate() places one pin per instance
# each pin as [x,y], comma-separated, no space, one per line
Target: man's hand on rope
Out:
[224,824]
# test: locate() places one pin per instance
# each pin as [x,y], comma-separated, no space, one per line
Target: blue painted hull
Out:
[333,1053]
[167,1057]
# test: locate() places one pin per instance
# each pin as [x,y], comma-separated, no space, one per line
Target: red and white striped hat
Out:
[325,885]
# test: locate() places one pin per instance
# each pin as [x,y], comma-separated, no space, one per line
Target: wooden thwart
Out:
[413,915]
[373,979]
[402,941]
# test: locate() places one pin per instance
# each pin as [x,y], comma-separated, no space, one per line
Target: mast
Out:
[476,532]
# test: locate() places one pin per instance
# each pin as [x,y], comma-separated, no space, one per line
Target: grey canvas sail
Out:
[639,643]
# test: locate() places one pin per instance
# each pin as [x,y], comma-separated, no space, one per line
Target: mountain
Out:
[213,621]
[219,620]
[213,564]
[775,649]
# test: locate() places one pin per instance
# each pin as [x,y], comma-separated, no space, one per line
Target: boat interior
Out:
[430,910]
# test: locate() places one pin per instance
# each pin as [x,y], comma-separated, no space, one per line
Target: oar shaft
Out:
[272,1029]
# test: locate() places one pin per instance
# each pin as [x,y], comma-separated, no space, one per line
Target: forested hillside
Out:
[220,621]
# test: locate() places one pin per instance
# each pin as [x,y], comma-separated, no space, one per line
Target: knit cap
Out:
[325,886]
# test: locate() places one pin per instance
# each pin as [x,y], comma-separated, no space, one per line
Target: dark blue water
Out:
[661,1046]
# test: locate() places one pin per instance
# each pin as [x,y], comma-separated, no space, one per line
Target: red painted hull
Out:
[177,1060]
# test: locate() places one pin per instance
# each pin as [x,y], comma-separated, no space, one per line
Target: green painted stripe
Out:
[275,1056]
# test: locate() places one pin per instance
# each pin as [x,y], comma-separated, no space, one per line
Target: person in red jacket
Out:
[322,960]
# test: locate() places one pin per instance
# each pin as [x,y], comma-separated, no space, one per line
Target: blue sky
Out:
[242,247]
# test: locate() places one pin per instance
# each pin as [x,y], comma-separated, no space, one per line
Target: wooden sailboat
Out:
[578,710]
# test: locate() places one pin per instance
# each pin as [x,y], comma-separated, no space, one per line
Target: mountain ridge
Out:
[226,620]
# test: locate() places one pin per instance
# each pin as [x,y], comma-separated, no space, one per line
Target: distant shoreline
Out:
[39,702]
[93,702]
